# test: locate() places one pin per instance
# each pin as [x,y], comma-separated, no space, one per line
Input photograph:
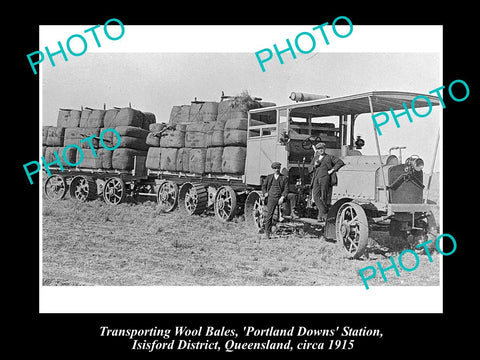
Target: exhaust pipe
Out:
[300,96]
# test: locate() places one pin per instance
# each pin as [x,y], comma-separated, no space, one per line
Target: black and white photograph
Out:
[244,188]
[200,169]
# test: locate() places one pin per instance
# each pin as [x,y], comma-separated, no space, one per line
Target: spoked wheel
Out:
[167,196]
[83,188]
[114,191]
[352,229]
[225,205]
[194,198]
[55,187]
[254,210]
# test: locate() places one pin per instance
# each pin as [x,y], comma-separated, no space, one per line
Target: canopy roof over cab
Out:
[358,103]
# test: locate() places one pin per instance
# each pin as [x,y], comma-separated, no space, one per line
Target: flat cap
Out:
[276,165]
[320,145]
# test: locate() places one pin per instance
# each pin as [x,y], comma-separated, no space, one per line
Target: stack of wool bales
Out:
[203,138]
[133,127]
[54,138]
[75,125]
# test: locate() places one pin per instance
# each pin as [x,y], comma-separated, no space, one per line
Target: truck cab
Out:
[371,188]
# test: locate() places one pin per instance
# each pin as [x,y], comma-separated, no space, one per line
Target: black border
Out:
[404,334]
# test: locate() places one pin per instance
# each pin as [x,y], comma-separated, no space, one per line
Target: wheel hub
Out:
[220,204]
[344,229]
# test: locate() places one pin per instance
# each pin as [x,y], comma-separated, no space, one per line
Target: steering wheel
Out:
[309,142]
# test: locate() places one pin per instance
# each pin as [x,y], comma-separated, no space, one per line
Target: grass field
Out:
[135,244]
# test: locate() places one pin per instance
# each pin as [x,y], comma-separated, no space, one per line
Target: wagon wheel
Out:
[194,198]
[430,232]
[352,229]
[114,191]
[225,205]
[83,188]
[254,210]
[167,196]
[55,187]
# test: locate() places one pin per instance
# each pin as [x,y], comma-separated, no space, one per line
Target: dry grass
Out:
[135,244]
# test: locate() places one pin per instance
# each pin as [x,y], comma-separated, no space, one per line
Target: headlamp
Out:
[415,163]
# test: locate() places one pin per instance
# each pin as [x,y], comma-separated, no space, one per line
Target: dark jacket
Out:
[267,184]
[327,163]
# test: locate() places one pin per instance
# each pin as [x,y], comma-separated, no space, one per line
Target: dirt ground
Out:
[95,243]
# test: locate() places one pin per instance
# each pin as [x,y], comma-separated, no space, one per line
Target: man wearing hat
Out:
[275,190]
[321,184]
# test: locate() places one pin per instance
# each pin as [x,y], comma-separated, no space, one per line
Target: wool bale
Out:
[107,137]
[236,107]
[168,159]
[109,118]
[62,118]
[215,138]
[227,110]
[203,111]
[208,162]
[45,132]
[152,139]
[236,124]
[129,117]
[74,118]
[241,123]
[90,161]
[69,154]
[102,159]
[179,114]
[264,104]
[68,118]
[215,134]
[72,136]
[84,117]
[124,158]
[50,157]
[133,137]
[149,118]
[197,160]
[95,118]
[196,135]
[106,156]
[55,136]
[130,142]
[233,159]
[132,131]
[153,158]
[173,138]
[213,160]
[156,127]
[183,157]
[234,137]
[76,135]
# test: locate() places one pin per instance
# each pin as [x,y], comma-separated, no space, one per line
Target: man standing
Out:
[275,190]
[324,166]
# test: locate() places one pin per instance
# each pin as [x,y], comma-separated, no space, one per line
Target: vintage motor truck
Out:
[375,190]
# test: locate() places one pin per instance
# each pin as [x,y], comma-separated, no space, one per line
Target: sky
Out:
[154,77]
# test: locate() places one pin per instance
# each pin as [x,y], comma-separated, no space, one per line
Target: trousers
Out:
[272,202]
[322,195]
